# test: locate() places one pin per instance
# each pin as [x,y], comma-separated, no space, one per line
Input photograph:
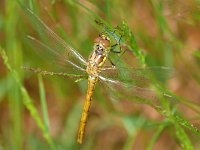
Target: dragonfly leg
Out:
[112,63]
[122,53]
[120,56]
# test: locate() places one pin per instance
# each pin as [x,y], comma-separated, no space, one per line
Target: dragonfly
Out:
[123,80]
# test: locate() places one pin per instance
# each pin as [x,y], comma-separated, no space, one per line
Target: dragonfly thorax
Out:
[95,62]
[99,55]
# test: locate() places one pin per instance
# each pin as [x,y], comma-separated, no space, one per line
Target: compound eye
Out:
[97,40]
[106,43]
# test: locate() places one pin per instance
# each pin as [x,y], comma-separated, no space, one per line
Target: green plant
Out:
[149,36]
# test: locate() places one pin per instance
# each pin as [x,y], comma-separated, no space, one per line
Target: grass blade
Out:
[27,100]
[156,136]
[184,140]
[43,102]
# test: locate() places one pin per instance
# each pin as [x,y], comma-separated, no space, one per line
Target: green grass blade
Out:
[183,122]
[43,102]
[178,120]
[27,100]
[133,125]
[69,135]
[184,140]
[158,8]
[13,47]
[156,135]
[5,85]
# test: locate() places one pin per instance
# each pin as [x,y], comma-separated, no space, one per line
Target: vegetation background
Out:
[44,112]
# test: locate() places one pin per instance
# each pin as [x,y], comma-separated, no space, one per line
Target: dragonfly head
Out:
[103,41]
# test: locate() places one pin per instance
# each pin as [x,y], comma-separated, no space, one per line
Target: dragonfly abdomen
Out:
[91,86]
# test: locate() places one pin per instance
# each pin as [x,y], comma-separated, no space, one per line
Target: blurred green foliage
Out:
[43,112]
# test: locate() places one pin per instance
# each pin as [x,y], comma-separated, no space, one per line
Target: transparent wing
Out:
[56,45]
[141,77]
[57,61]
[121,90]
